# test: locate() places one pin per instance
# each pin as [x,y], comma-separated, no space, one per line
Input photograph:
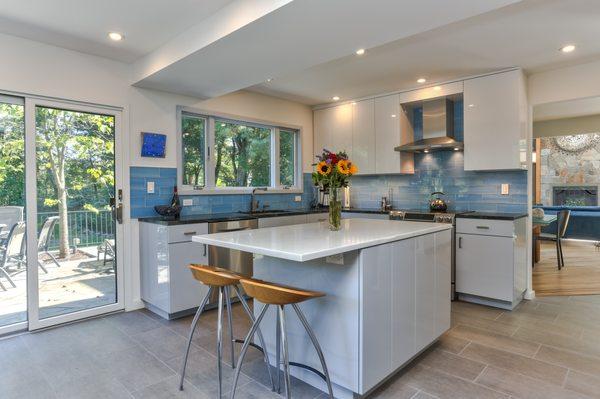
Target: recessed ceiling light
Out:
[471,105]
[335,98]
[115,36]
[393,115]
[360,51]
[426,151]
[456,149]
[421,80]
[437,88]
[269,80]
[568,48]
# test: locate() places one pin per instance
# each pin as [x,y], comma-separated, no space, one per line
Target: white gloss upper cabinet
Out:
[391,130]
[363,136]
[495,121]
[333,129]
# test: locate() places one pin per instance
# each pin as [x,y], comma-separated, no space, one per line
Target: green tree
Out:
[243,155]
[12,155]
[75,158]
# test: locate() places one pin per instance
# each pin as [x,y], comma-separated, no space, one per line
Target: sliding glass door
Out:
[62,259]
[13,273]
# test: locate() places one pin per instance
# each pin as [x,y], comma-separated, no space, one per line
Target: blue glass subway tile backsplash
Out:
[443,171]
[142,203]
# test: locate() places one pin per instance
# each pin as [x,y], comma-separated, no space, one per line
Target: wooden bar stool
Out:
[280,295]
[222,280]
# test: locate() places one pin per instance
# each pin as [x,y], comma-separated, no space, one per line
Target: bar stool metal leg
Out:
[284,345]
[220,339]
[252,331]
[229,320]
[192,329]
[258,332]
[315,343]
[278,351]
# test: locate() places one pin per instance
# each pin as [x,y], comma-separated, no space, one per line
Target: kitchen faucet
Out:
[253,202]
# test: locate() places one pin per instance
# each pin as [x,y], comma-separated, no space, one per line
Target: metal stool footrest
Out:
[309,368]
[252,344]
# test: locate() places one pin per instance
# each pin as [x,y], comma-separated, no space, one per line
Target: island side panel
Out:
[334,318]
[405,303]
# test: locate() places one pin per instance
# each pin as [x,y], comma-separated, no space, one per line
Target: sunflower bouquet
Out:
[333,171]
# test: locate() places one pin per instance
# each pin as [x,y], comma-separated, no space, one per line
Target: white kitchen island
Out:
[387,286]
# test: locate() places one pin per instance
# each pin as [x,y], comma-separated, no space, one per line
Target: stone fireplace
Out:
[575,195]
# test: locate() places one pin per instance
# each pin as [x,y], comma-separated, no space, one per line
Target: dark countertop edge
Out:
[227,217]
[492,215]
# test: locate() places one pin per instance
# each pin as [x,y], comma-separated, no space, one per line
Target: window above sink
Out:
[224,154]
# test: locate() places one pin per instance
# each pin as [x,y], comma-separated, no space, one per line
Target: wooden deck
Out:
[580,276]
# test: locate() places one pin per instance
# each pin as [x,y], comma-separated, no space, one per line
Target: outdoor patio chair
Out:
[108,248]
[12,252]
[44,240]
[9,216]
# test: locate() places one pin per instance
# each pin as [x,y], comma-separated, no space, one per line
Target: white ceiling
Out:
[527,35]
[83,25]
[288,40]
[207,48]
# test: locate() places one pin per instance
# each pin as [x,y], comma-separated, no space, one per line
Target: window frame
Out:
[209,134]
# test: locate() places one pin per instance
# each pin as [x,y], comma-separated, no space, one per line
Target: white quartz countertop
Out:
[303,242]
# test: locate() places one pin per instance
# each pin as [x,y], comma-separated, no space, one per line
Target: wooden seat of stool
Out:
[214,276]
[276,294]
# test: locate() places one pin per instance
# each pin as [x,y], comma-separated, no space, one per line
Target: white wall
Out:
[578,81]
[32,68]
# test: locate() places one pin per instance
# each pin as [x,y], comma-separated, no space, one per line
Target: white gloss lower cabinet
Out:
[167,286]
[491,263]
[281,221]
[405,292]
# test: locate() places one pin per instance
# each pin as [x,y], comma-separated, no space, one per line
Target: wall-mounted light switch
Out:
[504,190]
[298,198]
[188,202]
[150,187]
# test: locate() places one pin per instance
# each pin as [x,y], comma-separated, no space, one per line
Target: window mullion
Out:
[275,172]
[210,153]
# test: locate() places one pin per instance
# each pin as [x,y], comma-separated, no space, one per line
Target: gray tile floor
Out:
[548,348]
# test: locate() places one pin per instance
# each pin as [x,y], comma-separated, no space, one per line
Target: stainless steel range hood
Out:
[438,128]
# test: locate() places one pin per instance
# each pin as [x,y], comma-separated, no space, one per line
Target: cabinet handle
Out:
[483,227]
[189,233]
[204,250]
[459,242]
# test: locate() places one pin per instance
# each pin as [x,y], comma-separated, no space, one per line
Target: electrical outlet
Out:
[505,188]
[150,187]
[298,198]
[188,202]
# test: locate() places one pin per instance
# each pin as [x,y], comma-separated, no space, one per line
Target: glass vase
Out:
[335,209]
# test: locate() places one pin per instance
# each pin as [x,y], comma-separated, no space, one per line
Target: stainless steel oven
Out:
[230,259]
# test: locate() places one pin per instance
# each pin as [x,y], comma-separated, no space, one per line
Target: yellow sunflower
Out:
[353,168]
[323,168]
[343,167]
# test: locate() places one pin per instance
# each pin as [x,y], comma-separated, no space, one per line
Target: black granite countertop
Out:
[492,215]
[226,217]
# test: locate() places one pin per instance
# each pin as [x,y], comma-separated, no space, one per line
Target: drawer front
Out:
[488,227]
[185,232]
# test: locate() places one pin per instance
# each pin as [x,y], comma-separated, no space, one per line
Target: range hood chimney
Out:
[438,128]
